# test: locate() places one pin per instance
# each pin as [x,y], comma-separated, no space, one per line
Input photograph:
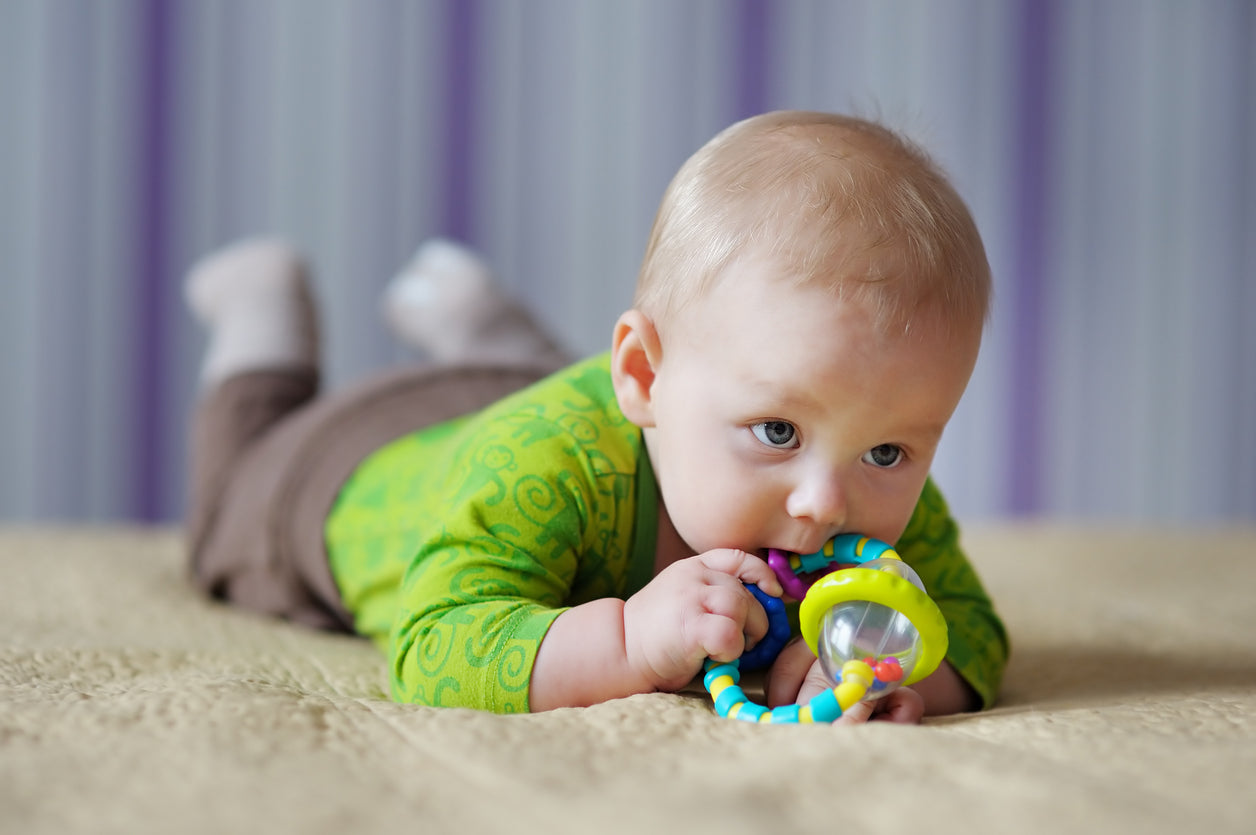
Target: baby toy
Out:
[872,626]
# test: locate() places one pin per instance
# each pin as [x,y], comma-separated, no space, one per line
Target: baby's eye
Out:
[777,434]
[884,456]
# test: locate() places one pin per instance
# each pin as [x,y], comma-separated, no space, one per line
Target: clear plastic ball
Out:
[860,630]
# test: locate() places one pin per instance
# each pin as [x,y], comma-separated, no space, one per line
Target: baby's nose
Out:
[821,498]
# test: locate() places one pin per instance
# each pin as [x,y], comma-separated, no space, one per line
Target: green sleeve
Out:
[525,519]
[978,643]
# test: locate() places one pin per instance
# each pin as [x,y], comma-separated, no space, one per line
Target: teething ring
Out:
[885,586]
[770,646]
[872,586]
[731,702]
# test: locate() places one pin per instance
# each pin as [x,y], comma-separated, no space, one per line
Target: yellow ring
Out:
[873,586]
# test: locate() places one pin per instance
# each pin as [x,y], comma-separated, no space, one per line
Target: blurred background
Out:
[1107,150]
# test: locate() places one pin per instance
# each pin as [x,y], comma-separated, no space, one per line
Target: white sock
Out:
[446,303]
[254,299]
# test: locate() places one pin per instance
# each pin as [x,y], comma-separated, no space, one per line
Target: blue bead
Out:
[824,707]
[785,713]
[750,712]
[765,652]
[714,672]
[874,549]
[730,696]
[844,547]
[814,562]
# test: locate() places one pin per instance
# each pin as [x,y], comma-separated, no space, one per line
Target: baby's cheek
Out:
[888,520]
[712,530]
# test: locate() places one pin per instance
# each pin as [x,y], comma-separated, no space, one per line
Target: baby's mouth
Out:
[804,579]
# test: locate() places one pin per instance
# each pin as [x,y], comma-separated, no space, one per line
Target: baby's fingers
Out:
[904,707]
[744,566]
[796,676]
[718,637]
[731,619]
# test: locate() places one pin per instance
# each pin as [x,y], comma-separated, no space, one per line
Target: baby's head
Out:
[807,317]
[832,200]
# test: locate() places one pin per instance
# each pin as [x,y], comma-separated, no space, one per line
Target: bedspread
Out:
[130,704]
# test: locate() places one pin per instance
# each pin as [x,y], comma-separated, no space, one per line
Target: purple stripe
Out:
[152,256]
[1025,460]
[458,176]
[753,29]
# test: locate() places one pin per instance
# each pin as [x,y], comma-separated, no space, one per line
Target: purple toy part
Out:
[778,561]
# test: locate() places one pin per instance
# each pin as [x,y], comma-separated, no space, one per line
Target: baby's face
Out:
[782,416]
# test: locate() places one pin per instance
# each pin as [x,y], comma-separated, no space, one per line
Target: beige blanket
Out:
[128,704]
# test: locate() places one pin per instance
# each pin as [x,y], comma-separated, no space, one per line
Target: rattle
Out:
[872,626]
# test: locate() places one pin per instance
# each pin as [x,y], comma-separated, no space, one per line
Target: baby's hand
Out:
[694,609]
[797,677]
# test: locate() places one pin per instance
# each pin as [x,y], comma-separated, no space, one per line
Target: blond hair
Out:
[836,200]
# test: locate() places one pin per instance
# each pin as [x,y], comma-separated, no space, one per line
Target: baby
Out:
[519,536]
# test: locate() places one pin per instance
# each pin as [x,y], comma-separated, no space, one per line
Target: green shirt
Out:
[456,547]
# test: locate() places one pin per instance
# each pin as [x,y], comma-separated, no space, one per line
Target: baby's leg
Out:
[254,299]
[446,303]
[261,366]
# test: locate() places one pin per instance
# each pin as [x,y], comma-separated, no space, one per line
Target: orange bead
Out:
[889,670]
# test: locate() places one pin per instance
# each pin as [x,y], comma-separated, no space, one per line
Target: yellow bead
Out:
[766,718]
[849,693]
[735,709]
[804,715]
[859,671]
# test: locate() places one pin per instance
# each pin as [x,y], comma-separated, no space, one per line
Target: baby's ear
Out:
[635,355]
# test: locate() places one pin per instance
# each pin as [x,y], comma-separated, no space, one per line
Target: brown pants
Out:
[268,459]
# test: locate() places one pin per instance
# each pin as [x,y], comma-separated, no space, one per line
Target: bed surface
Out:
[129,704]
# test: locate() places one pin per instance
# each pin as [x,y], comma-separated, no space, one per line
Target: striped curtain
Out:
[1106,149]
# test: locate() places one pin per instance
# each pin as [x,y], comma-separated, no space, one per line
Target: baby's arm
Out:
[481,610]
[978,651]
[658,638]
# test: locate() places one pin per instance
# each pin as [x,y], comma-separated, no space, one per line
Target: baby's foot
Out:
[446,303]
[255,300]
